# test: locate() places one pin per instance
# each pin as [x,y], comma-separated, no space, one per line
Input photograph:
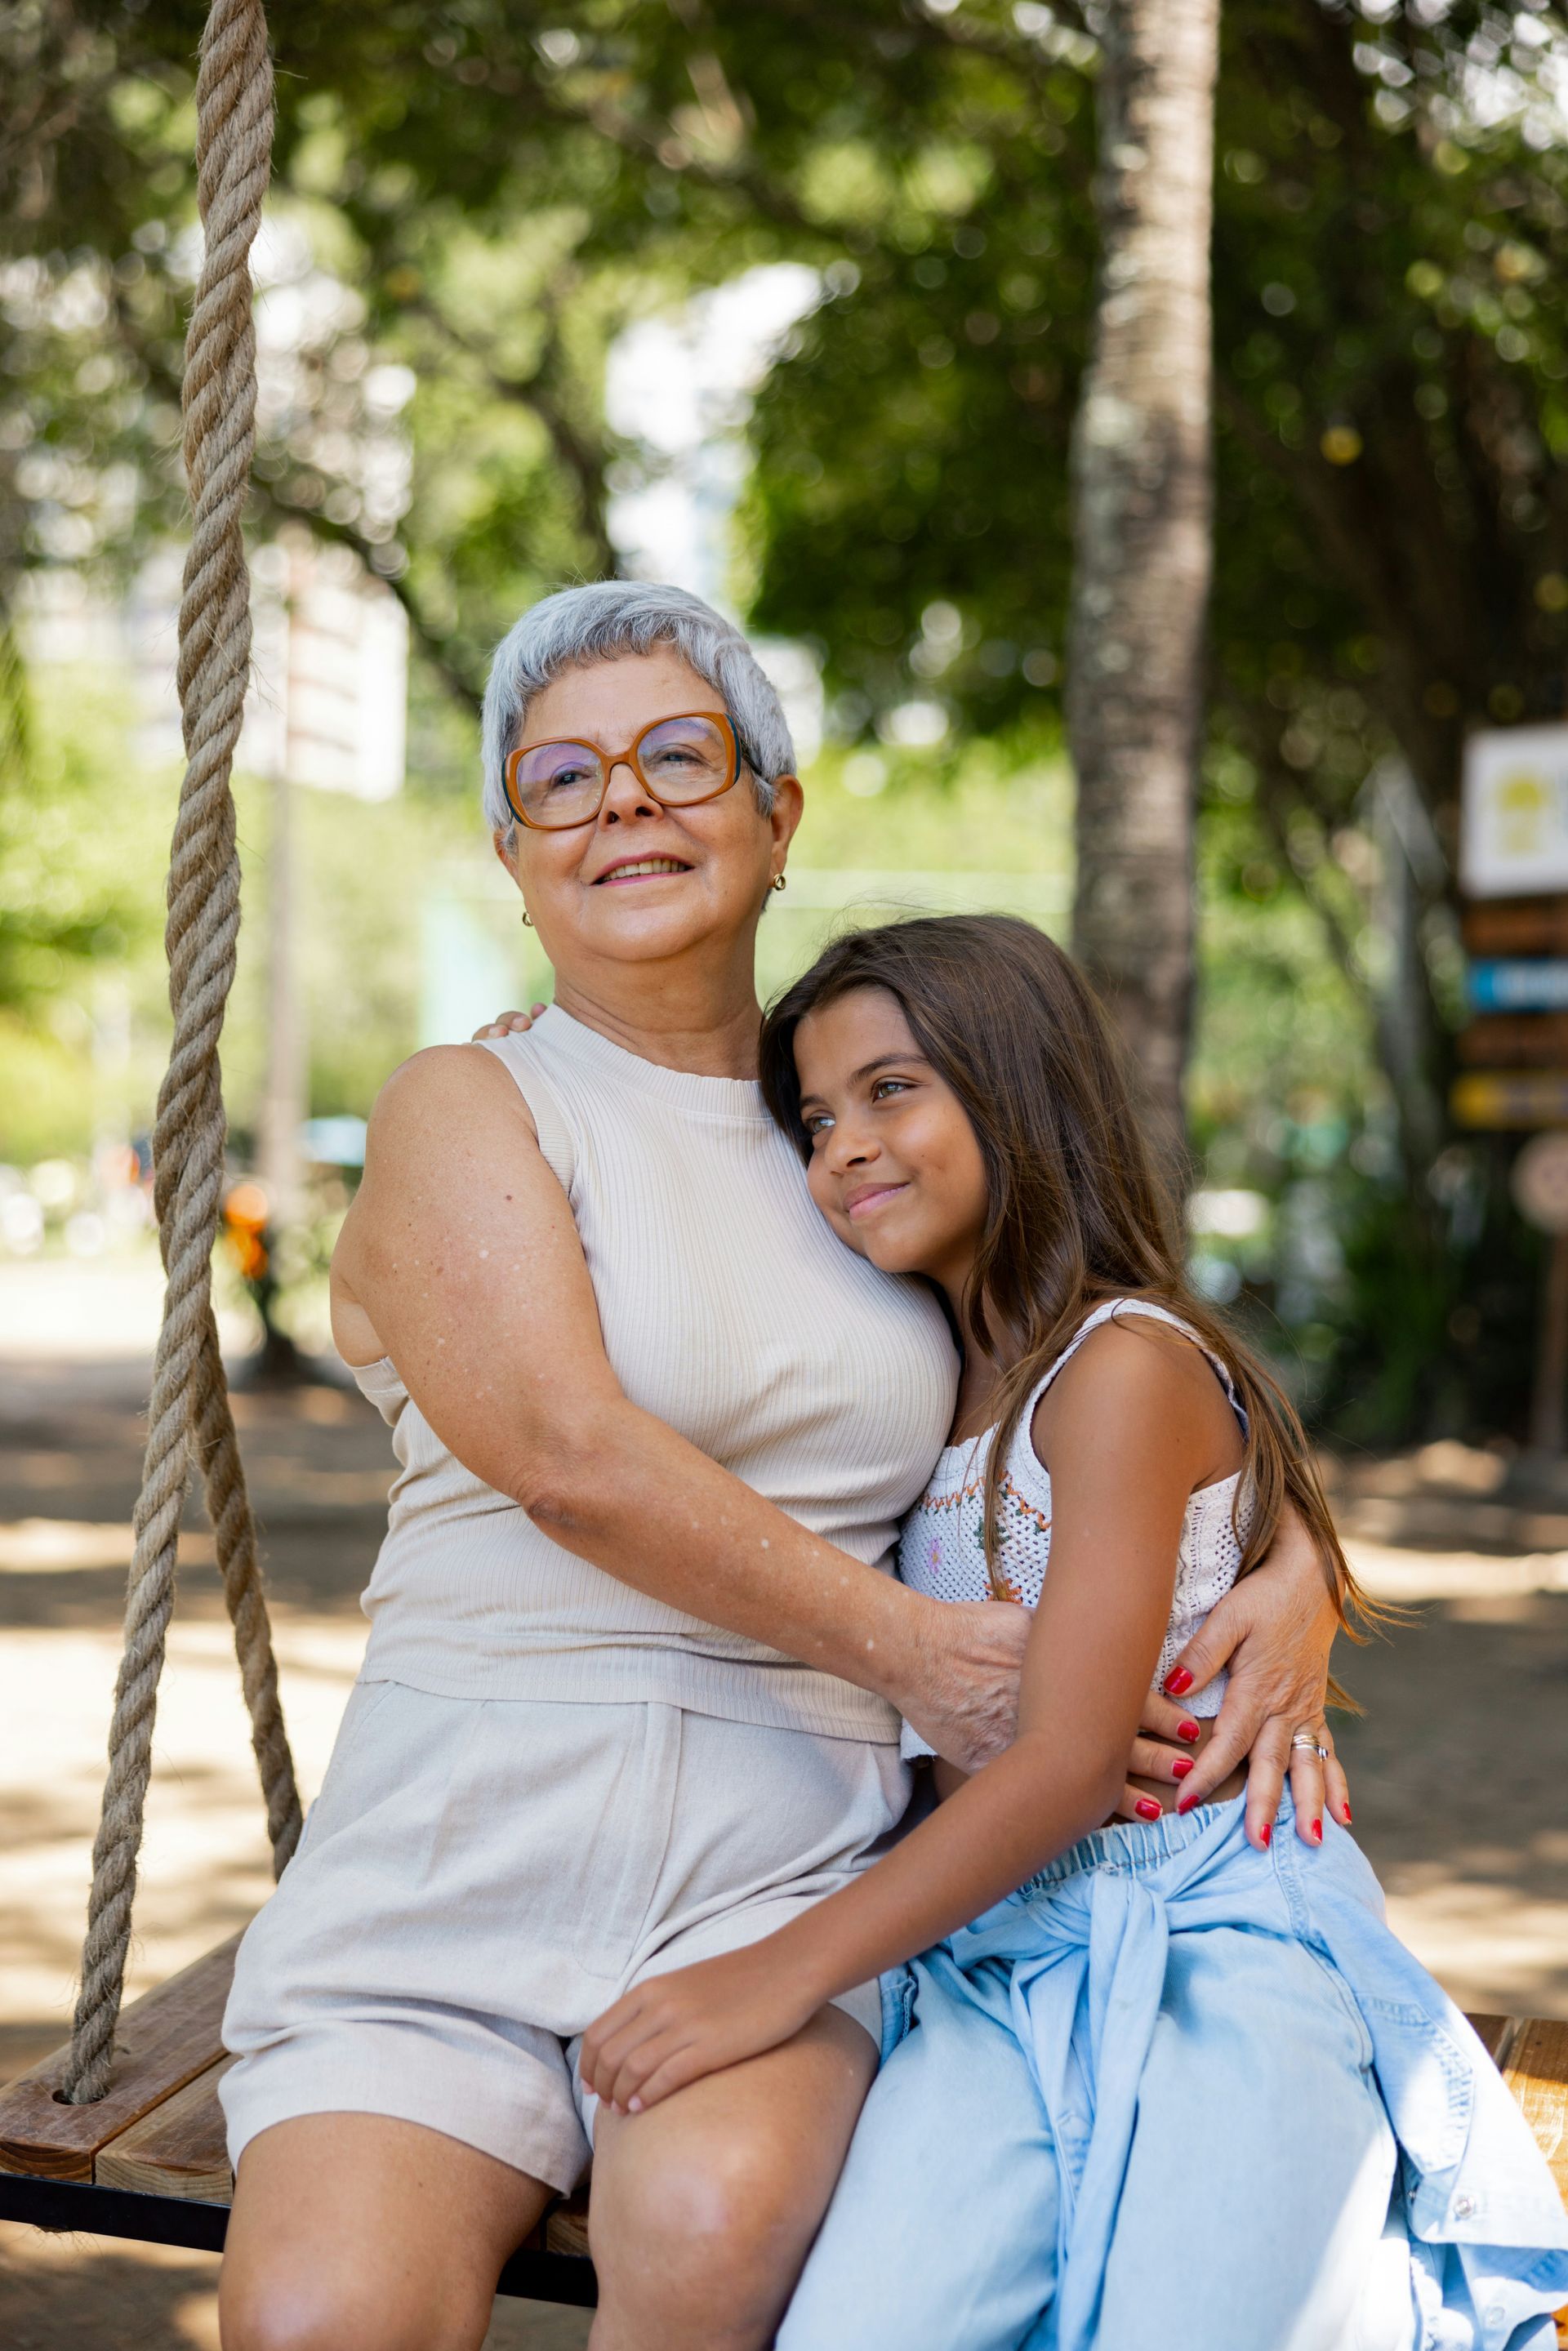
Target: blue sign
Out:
[1538,986]
[333,1142]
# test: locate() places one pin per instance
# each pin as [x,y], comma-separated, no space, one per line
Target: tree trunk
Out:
[1142,502]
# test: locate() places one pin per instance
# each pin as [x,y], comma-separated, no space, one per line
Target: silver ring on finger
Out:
[1308,1741]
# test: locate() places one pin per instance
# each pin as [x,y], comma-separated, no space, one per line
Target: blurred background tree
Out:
[1143,532]
[476,201]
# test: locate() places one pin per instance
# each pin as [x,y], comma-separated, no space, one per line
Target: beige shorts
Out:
[480,1879]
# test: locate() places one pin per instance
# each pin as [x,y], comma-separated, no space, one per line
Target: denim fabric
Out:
[1167,2089]
[898,1989]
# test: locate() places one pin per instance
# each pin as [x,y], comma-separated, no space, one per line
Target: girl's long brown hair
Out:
[1077,1211]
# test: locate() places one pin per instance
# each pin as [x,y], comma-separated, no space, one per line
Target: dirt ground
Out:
[1458,1765]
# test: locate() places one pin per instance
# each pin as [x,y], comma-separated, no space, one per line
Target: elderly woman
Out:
[633,1688]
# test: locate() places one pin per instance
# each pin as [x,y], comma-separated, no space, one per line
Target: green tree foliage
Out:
[495,188]
[1393,534]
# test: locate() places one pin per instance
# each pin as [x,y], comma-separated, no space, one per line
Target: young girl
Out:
[1163,2081]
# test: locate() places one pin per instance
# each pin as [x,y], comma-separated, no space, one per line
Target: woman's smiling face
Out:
[895,1166]
[641,882]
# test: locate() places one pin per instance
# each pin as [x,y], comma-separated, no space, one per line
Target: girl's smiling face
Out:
[895,1167]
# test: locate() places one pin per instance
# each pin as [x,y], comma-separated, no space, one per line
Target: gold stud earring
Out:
[528,920]
[778,882]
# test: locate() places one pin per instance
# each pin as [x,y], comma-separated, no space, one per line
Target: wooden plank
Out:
[566,2227]
[1526,1039]
[164,2040]
[1534,2058]
[1515,926]
[1494,2032]
[178,2149]
[76,2208]
[1537,2072]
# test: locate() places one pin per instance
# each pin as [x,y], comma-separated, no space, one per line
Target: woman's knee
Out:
[358,2232]
[303,2305]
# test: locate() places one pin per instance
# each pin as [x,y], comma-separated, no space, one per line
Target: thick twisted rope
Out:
[188,1416]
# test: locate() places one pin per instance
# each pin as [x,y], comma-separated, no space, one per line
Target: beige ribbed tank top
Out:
[729,1309]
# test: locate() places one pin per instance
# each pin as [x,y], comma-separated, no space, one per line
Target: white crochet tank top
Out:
[942,1547]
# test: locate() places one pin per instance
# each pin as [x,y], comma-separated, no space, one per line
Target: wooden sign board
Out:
[1515,926]
[1516,1099]
[1513,870]
[1516,1040]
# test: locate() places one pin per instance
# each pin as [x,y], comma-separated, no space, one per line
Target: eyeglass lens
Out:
[680,760]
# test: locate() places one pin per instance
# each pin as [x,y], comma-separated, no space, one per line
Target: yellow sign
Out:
[1500,1099]
[1514,832]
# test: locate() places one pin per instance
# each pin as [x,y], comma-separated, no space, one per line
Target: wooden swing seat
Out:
[148,2161]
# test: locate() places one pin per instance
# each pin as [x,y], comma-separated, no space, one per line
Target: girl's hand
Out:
[1275,1630]
[674,2029]
[508,1024]
[1165,1751]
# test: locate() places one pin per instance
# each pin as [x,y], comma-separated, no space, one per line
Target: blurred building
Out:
[329,697]
[329,692]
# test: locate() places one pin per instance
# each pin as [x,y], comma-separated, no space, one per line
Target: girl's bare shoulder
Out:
[1149,1383]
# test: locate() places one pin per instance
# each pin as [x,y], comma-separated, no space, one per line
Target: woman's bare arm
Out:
[1125,1456]
[460,1259]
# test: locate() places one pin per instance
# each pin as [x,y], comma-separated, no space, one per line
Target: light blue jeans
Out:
[1248,2203]
[1251,2218]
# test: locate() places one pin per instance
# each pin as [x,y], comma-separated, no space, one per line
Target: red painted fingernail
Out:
[1147,1809]
[1179,1682]
[1347,1816]
[1266,1833]
[1186,1804]
[1189,1730]
[1181,1767]
[1317,1832]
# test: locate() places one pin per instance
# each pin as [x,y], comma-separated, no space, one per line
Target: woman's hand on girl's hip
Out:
[670,2031]
[508,1024]
[1274,1631]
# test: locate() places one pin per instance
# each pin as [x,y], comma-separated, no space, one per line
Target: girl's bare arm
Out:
[1274,1632]
[1126,1450]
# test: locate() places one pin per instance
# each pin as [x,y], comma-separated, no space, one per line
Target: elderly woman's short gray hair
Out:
[612,617]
